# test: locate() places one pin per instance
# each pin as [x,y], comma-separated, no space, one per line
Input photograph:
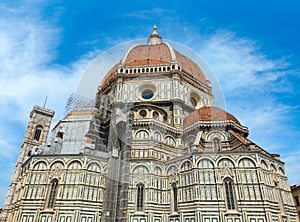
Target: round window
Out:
[143,113]
[147,94]
[155,115]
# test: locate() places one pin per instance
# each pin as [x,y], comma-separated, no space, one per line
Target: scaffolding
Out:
[78,101]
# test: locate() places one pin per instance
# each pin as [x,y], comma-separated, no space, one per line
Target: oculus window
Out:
[147,94]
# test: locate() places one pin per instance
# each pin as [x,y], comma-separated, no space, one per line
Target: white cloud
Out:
[239,63]
[27,47]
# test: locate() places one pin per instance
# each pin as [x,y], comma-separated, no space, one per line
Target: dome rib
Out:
[172,51]
[191,68]
[125,57]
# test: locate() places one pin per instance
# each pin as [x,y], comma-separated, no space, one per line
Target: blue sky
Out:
[251,46]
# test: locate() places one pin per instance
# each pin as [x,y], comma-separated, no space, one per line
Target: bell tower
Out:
[38,126]
[36,135]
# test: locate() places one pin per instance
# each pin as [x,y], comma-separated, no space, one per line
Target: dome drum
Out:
[148,69]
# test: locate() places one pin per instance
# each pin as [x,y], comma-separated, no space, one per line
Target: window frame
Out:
[140,194]
[230,198]
[37,133]
[53,190]
[174,195]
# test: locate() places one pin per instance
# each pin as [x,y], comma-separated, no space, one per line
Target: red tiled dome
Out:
[208,114]
[160,53]
[141,55]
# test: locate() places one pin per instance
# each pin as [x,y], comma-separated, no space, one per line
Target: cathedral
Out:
[152,148]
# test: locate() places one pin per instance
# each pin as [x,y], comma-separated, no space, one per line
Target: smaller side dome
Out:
[208,114]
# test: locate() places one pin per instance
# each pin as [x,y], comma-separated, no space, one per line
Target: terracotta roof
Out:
[244,140]
[160,54]
[208,114]
[148,55]
[190,67]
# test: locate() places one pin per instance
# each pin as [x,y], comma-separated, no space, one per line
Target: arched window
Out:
[140,197]
[223,163]
[229,191]
[174,197]
[205,163]
[170,141]
[95,167]
[140,170]
[281,171]
[142,134]
[157,170]
[37,133]
[143,113]
[246,163]
[52,193]
[57,165]
[155,115]
[186,166]
[157,136]
[273,168]
[75,165]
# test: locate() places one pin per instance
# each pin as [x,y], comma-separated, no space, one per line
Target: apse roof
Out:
[208,114]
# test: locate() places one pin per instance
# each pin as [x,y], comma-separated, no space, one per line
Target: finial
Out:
[154,28]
